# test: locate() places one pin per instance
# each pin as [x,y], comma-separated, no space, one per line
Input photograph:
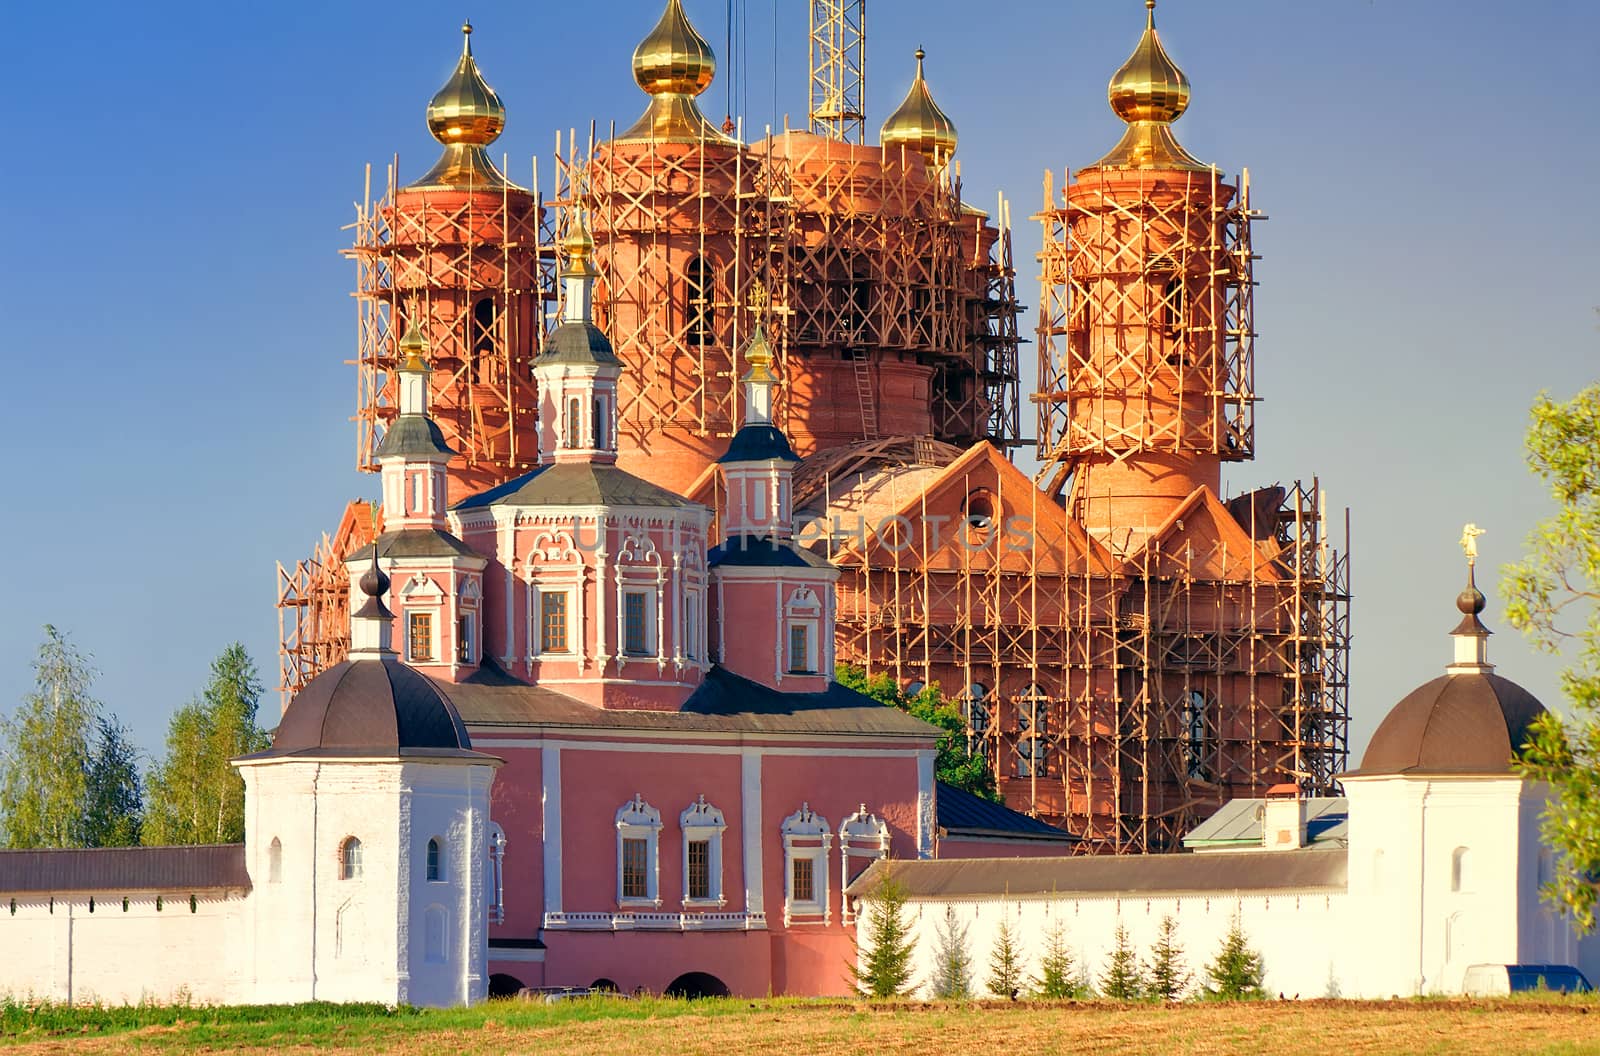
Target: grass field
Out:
[735,1027]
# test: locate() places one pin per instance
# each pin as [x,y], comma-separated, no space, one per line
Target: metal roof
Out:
[412,435]
[1456,724]
[961,813]
[584,484]
[759,443]
[415,542]
[124,869]
[723,703]
[755,550]
[1311,869]
[1238,822]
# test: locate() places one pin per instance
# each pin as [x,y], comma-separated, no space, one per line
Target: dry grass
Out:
[741,1028]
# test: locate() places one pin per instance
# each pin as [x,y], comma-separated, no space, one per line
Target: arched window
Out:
[698,284]
[980,511]
[1033,728]
[350,859]
[600,421]
[482,344]
[1461,869]
[497,874]
[574,422]
[1174,302]
[275,861]
[435,860]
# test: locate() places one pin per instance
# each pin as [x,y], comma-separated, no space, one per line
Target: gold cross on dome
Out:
[759,298]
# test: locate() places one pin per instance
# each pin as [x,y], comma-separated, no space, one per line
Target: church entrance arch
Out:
[697,984]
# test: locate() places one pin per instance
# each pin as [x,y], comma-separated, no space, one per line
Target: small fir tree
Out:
[1168,977]
[952,973]
[1056,977]
[884,969]
[1005,964]
[1237,973]
[1122,980]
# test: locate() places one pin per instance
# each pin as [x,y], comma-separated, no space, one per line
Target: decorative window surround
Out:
[629,921]
[802,615]
[806,836]
[862,835]
[701,822]
[638,820]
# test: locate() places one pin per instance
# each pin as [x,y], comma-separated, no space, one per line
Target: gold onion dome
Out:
[673,64]
[918,124]
[1149,92]
[465,115]
[412,347]
[758,354]
[578,246]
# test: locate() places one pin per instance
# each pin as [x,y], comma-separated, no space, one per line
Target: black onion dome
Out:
[1468,723]
[759,443]
[370,707]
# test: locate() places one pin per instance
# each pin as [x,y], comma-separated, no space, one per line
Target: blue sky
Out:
[177,315]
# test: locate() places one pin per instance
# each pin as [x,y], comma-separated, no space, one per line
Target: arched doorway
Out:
[697,984]
[604,986]
[503,985]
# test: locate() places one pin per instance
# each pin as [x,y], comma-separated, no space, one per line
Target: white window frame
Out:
[638,820]
[652,633]
[861,835]
[806,835]
[693,620]
[439,869]
[571,593]
[700,821]
[803,610]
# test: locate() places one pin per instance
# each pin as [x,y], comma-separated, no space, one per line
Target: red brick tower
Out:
[458,252]
[1146,370]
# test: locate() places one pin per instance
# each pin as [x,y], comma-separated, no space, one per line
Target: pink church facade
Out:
[685,794]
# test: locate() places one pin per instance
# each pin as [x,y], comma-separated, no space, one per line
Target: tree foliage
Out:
[1005,963]
[1056,977]
[1238,972]
[954,765]
[1553,596]
[195,795]
[71,776]
[1167,977]
[884,969]
[1122,980]
[952,959]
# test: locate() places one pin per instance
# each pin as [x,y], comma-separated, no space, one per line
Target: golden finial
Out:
[1469,543]
[673,64]
[578,245]
[918,124]
[412,347]
[758,354]
[759,297]
[1149,92]
[466,110]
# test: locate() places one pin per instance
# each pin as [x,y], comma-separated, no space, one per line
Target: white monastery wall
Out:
[58,949]
[1294,932]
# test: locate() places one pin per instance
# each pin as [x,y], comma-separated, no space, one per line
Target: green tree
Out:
[952,959]
[1056,977]
[1122,980]
[116,805]
[1553,596]
[884,970]
[1237,973]
[1005,964]
[70,775]
[953,765]
[1167,977]
[195,796]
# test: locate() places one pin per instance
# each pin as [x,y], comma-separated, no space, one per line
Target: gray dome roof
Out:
[413,435]
[582,343]
[371,707]
[1467,723]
